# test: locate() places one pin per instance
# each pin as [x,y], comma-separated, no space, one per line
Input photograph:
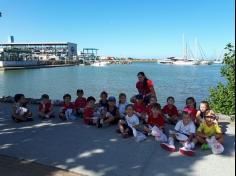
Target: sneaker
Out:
[168,147]
[186,152]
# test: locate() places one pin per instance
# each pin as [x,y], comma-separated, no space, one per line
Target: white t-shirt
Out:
[132,121]
[185,129]
[121,108]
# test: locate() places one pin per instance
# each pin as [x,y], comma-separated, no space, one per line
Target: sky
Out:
[122,28]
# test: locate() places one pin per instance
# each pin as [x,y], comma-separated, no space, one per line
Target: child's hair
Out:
[139,97]
[44,96]
[192,99]
[206,103]
[104,93]
[66,96]
[129,105]
[17,97]
[170,98]
[210,114]
[156,106]
[91,99]
[122,95]
[80,91]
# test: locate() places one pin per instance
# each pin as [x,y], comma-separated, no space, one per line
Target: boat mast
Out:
[184,52]
[195,48]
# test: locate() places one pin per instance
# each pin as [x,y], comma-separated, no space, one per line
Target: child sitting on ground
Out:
[103,103]
[112,114]
[155,118]
[184,133]
[153,100]
[140,108]
[68,109]
[209,129]
[203,108]
[121,105]
[170,111]
[127,127]
[90,115]
[80,103]
[45,110]
[191,108]
[20,113]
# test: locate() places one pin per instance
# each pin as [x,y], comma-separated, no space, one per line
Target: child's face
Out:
[186,119]
[203,107]
[67,99]
[103,97]
[139,101]
[111,103]
[91,103]
[153,100]
[190,103]
[156,112]
[22,100]
[80,95]
[170,102]
[209,121]
[122,99]
[129,111]
[45,100]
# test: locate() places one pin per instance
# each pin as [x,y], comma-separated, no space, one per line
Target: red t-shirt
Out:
[170,111]
[158,121]
[88,113]
[149,109]
[68,106]
[47,107]
[144,90]
[140,108]
[80,102]
[191,111]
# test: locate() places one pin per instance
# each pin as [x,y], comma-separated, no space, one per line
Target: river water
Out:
[169,80]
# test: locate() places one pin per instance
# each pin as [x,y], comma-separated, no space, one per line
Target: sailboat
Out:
[185,59]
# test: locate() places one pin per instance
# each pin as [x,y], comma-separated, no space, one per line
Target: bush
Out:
[222,98]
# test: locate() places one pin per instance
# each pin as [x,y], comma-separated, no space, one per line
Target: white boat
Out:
[99,63]
[218,62]
[186,62]
[206,62]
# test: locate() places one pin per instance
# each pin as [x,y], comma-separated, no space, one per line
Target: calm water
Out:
[169,80]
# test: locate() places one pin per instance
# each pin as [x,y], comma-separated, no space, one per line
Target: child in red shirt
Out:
[90,115]
[170,111]
[153,100]
[191,108]
[140,108]
[155,118]
[80,103]
[68,109]
[45,108]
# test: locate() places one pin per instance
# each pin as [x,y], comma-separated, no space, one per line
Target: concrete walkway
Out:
[101,152]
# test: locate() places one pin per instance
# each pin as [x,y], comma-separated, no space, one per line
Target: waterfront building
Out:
[37,51]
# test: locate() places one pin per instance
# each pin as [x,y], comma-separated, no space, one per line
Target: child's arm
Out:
[190,138]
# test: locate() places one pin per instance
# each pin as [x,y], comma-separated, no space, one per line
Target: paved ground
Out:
[102,152]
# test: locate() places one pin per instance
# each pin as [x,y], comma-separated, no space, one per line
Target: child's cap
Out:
[111,98]
[139,97]
[186,110]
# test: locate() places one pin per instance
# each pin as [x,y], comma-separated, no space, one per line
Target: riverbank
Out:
[90,151]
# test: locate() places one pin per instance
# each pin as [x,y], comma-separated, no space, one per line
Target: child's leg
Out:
[62,116]
[201,140]
[219,138]
[121,126]
[41,115]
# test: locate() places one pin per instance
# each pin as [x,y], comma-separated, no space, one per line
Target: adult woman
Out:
[145,88]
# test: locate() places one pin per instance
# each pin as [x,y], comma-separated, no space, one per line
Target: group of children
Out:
[192,126]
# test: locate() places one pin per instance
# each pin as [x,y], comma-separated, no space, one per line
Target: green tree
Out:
[222,97]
